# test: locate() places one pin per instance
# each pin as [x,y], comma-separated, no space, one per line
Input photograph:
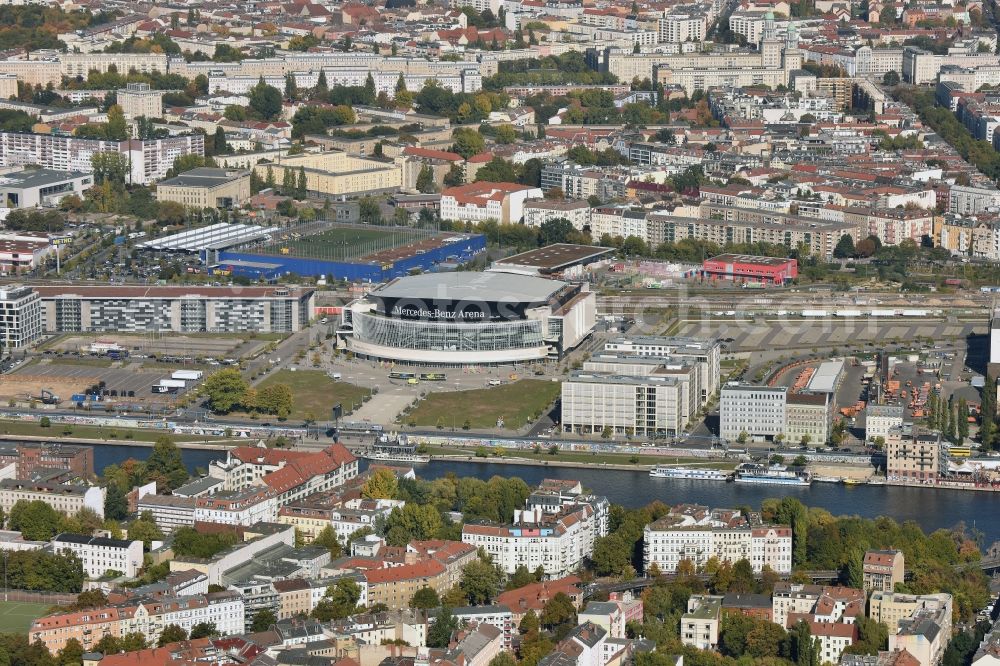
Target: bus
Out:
[402,375]
[433,376]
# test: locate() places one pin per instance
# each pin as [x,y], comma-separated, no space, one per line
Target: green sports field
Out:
[17,616]
[344,243]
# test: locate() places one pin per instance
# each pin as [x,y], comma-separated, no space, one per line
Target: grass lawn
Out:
[17,616]
[518,403]
[315,393]
[94,432]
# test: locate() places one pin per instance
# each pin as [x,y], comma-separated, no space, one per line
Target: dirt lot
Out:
[130,383]
[174,345]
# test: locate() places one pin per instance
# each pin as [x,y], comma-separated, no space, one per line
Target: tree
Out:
[165,464]
[219,141]
[111,167]
[291,92]
[468,142]
[506,134]
[263,620]
[439,633]
[171,633]
[117,127]
[340,601]
[480,582]
[425,598]
[381,484]
[743,581]
[144,529]
[327,538]
[35,520]
[803,648]
[963,420]
[497,170]
[224,390]
[370,211]
[413,521]
[302,185]
[559,615]
[275,399]
[891,78]
[265,101]
[556,230]
[455,176]
[204,630]
[503,659]
[71,654]
[425,180]
[844,248]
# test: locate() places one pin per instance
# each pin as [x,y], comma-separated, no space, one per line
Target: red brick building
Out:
[33,456]
[748,268]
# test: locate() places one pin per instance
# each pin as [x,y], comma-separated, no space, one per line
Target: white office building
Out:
[706,353]
[752,411]
[20,316]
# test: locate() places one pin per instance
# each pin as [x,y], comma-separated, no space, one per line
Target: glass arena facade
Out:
[469,319]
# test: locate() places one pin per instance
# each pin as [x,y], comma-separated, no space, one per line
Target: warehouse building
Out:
[748,268]
[69,308]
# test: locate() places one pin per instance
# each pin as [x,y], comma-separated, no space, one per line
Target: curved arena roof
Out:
[460,286]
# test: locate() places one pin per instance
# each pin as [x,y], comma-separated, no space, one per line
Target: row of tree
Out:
[227,390]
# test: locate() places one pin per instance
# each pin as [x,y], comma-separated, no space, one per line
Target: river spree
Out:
[931,508]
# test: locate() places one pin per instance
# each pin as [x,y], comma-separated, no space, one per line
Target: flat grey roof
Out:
[554,257]
[204,177]
[825,379]
[38,177]
[488,287]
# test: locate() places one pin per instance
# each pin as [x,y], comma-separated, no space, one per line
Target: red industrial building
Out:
[749,268]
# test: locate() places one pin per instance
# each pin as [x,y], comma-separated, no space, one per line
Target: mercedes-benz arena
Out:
[469,319]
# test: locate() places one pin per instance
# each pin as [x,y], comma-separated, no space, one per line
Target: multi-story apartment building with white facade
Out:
[698,534]
[539,211]
[149,158]
[223,609]
[291,475]
[558,543]
[127,309]
[66,499]
[101,554]
[676,28]
[481,201]
[246,507]
[20,316]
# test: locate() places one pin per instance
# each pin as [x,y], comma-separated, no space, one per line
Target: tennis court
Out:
[17,616]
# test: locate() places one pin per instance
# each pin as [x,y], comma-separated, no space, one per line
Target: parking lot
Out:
[802,334]
[180,346]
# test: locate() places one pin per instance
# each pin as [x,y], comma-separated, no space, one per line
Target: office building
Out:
[131,309]
[20,316]
[912,456]
[32,188]
[764,412]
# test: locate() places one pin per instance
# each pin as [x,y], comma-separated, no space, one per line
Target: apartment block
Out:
[890,608]
[150,159]
[882,570]
[697,534]
[139,100]
[700,624]
[245,507]
[66,499]
[912,456]
[206,187]
[481,201]
[291,475]
[100,554]
[558,543]
[149,617]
